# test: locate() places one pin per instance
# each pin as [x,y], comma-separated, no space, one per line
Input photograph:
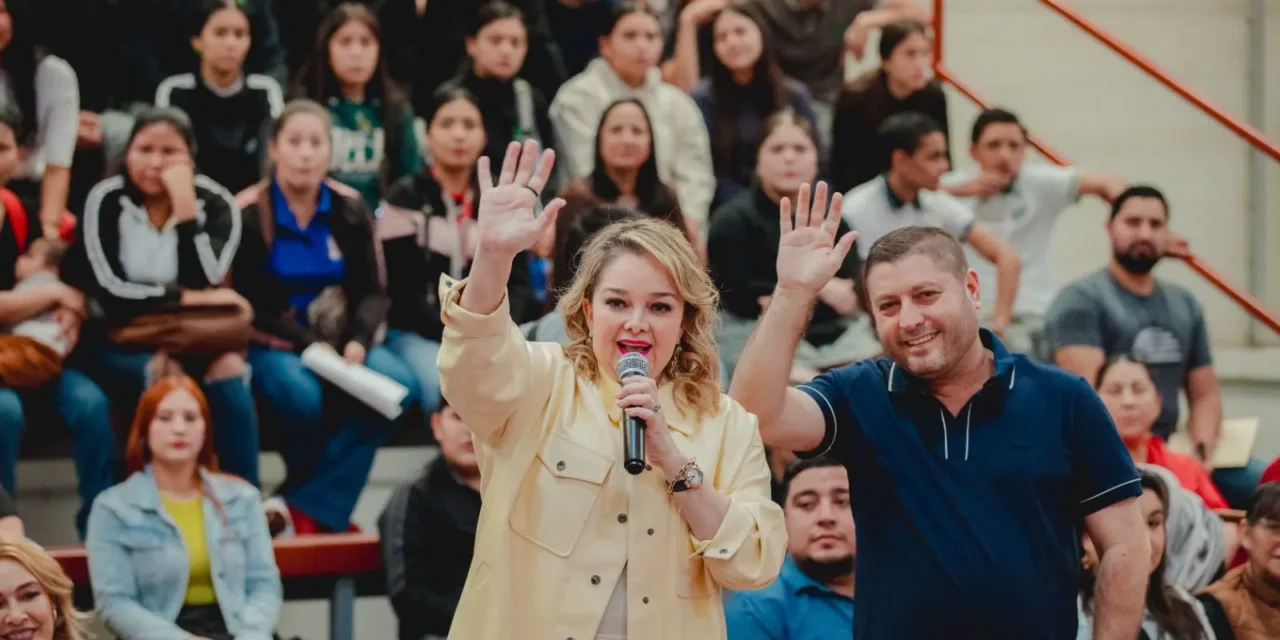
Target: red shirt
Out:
[1189,472]
[1272,474]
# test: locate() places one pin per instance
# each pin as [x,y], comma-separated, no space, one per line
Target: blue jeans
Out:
[327,472]
[82,406]
[1237,485]
[235,420]
[420,354]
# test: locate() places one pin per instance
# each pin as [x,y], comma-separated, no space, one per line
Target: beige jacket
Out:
[561,518]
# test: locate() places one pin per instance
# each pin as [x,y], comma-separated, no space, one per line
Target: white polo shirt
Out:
[873,210]
[1024,216]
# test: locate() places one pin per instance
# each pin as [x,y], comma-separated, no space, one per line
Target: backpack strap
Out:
[17,216]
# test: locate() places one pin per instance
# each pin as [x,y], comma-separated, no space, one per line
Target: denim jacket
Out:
[139,568]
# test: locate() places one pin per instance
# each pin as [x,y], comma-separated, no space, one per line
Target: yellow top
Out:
[189,516]
[561,518]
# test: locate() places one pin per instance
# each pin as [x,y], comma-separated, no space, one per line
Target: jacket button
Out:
[622,517]
[651,532]
[560,467]
[595,579]
[648,467]
[646,600]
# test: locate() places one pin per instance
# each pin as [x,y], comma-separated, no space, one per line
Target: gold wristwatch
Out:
[690,477]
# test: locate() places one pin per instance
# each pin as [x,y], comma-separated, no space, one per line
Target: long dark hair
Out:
[874,84]
[652,196]
[1173,615]
[767,93]
[317,81]
[19,61]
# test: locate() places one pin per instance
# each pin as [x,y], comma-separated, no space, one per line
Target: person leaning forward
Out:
[569,545]
[970,467]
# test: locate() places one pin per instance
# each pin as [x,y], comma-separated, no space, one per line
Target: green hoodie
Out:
[359,148]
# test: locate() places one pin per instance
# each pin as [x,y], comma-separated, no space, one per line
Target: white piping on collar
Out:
[946,442]
[893,366]
[1013,375]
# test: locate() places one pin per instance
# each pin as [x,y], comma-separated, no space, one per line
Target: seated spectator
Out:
[373,140]
[625,173]
[428,228]
[814,37]
[44,90]
[157,239]
[31,355]
[308,266]
[154,42]
[1127,389]
[180,550]
[230,109]
[427,44]
[428,532]
[902,84]
[630,46]
[1170,612]
[1020,202]
[812,599]
[1124,309]
[38,595]
[512,108]
[907,195]
[71,397]
[1199,543]
[1245,603]
[742,249]
[550,327]
[744,87]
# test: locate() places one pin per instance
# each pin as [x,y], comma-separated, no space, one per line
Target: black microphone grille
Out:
[632,364]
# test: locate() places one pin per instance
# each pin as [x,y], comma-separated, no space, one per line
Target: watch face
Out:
[695,477]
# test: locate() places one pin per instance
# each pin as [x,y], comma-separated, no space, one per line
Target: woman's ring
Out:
[656,408]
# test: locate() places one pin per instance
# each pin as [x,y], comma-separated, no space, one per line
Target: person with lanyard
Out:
[971,469]
[308,266]
[427,228]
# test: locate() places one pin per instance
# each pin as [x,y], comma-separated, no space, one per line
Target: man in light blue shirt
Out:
[812,599]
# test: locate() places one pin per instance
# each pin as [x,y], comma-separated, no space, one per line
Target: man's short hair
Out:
[937,244]
[1138,191]
[1266,504]
[800,465]
[905,131]
[989,117]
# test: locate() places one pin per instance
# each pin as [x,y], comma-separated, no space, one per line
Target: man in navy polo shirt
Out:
[971,469]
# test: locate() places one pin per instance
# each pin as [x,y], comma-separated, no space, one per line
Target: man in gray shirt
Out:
[1124,309]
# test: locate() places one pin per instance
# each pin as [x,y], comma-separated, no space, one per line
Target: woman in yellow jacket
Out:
[569,545]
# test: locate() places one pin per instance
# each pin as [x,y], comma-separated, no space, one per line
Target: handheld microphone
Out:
[633,364]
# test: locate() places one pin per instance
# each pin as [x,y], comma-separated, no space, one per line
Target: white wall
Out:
[1103,113]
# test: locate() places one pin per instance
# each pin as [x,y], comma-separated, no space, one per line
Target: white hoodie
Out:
[680,137]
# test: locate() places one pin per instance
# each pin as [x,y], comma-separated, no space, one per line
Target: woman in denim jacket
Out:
[178,550]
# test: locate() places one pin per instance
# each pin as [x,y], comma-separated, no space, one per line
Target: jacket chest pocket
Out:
[155,557]
[558,494]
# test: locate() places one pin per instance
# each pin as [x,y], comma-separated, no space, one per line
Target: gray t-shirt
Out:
[1164,330]
[57,116]
[43,327]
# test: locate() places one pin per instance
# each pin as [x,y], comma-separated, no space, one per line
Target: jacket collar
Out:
[676,417]
[1006,372]
[140,489]
[600,70]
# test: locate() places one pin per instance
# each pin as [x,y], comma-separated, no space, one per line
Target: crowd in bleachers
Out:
[198,193]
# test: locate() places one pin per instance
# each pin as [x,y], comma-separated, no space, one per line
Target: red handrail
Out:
[1243,129]
[1250,304]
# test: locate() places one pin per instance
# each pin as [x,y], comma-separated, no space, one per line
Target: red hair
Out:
[136,453]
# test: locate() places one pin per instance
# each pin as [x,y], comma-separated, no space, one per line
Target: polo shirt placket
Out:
[970,524]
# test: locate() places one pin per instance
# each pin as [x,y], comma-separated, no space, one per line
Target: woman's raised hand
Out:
[808,255]
[508,220]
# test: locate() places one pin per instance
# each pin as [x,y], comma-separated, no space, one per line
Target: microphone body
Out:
[632,364]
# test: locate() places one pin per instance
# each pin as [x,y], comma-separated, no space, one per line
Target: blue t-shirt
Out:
[793,607]
[306,261]
[969,525]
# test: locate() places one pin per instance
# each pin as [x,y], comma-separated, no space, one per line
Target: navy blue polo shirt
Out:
[306,261]
[969,525]
[794,606]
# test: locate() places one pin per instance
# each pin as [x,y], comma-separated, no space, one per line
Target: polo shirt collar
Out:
[284,215]
[1006,372]
[798,582]
[894,201]
[676,418]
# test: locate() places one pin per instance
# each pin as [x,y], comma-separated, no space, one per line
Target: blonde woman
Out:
[569,545]
[35,595]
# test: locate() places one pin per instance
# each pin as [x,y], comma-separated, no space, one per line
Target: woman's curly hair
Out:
[694,369]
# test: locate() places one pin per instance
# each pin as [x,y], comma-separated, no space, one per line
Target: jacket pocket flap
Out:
[565,458]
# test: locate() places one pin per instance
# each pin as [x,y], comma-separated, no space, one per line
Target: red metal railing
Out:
[1251,135]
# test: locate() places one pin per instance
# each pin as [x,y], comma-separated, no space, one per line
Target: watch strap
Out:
[681,481]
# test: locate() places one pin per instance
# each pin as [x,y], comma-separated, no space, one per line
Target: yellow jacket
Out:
[561,517]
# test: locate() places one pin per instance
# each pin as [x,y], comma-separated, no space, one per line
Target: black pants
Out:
[204,620]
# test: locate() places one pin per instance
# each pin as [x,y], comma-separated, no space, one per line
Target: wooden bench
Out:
[336,567]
